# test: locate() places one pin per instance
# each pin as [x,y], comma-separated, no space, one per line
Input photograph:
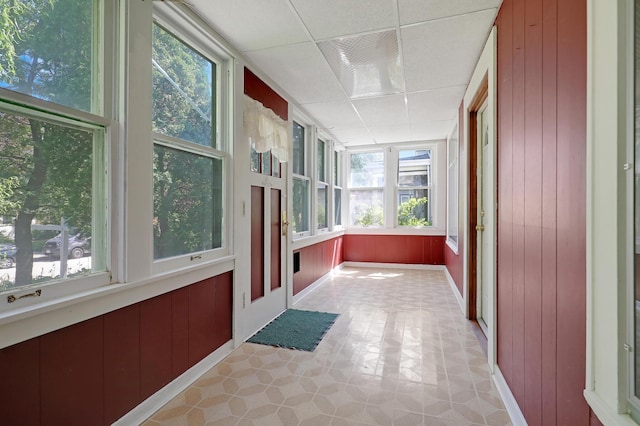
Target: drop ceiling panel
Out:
[443,53]
[353,137]
[435,105]
[391,134]
[301,70]
[366,65]
[427,131]
[335,115]
[253,24]
[412,11]
[383,111]
[335,18]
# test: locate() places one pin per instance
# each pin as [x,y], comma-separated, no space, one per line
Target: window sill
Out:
[397,231]
[26,322]
[453,246]
[314,239]
[604,413]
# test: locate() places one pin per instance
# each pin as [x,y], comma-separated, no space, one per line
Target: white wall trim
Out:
[510,403]
[156,401]
[455,290]
[393,266]
[604,413]
[310,240]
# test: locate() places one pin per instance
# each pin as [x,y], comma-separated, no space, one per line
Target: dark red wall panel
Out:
[316,261]
[121,366]
[179,331]
[72,376]
[155,344]
[223,311]
[20,384]
[258,90]
[408,249]
[202,319]
[96,371]
[542,213]
[454,265]
[276,240]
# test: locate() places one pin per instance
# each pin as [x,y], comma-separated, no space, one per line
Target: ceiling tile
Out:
[391,134]
[366,65]
[253,24]
[435,105]
[412,11]
[301,71]
[443,53]
[351,137]
[382,111]
[335,18]
[335,115]
[433,130]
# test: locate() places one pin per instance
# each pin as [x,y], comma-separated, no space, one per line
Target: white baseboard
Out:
[510,403]
[393,266]
[156,401]
[304,293]
[455,290]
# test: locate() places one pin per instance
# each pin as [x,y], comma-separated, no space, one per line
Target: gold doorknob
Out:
[479,228]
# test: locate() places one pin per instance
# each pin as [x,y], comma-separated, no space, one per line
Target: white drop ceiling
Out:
[366,71]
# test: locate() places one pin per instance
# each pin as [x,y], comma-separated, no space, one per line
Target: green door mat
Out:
[295,329]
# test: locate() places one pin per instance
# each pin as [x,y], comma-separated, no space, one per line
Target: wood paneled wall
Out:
[542,207]
[316,261]
[410,249]
[94,372]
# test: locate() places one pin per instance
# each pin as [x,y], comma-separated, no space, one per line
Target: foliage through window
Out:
[51,167]
[414,187]
[323,196]
[301,183]
[187,173]
[366,194]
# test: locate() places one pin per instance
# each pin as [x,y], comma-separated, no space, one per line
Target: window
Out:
[53,188]
[300,220]
[323,198]
[366,188]
[414,187]
[188,164]
[452,189]
[337,189]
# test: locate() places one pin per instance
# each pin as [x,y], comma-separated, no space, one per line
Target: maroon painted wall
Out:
[542,208]
[455,262]
[257,242]
[258,90]
[96,371]
[316,261]
[409,249]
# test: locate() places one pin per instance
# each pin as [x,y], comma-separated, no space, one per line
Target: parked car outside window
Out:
[78,246]
[7,255]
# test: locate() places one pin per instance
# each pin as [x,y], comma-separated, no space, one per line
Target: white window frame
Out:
[28,301]
[430,187]
[453,166]
[322,183]
[383,188]
[308,134]
[217,55]
[337,178]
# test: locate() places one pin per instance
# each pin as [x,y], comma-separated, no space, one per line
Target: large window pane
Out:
[183,91]
[300,220]
[187,202]
[323,204]
[321,161]
[47,50]
[51,189]
[414,208]
[338,205]
[452,188]
[414,168]
[298,149]
[367,170]
[366,207]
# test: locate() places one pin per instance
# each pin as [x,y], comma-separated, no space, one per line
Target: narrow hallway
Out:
[400,353]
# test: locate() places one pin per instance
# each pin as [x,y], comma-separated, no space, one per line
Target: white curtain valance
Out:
[265,130]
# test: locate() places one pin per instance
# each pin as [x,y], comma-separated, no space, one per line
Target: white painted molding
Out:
[393,266]
[156,401]
[604,413]
[510,403]
[455,291]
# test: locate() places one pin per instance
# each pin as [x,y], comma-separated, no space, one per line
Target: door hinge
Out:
[627,166]
[627,347]
[244,300]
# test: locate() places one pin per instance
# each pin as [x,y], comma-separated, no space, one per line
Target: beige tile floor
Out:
[400,353]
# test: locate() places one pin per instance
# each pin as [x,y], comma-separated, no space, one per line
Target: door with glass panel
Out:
[267,295]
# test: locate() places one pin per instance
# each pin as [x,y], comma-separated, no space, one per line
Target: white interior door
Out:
[484,220]
[266,296]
